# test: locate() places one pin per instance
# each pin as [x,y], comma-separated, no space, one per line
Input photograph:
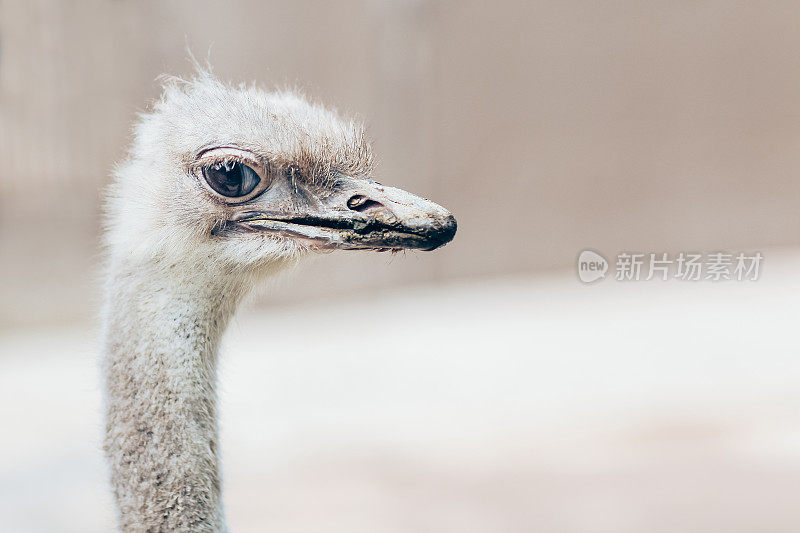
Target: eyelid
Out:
[224,153]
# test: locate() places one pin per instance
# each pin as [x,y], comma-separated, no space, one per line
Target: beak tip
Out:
[443,232]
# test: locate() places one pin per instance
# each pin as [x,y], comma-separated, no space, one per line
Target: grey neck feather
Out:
[159,362]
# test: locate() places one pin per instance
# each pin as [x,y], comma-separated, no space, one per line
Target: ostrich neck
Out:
[160,351]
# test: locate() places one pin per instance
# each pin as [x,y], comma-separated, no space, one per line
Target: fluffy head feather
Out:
[157,209]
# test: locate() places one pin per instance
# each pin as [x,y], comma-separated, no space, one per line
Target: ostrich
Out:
[223,186]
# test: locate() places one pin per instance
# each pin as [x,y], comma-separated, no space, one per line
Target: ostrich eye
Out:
[231,179]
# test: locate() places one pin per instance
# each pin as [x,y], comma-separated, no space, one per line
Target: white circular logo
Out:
[591,266]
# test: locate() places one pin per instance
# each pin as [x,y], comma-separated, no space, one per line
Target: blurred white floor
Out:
[519,405]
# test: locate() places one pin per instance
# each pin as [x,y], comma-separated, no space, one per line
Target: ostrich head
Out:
[222,185]
[238,179]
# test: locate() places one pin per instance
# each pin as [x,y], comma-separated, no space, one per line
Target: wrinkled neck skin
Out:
[162,330]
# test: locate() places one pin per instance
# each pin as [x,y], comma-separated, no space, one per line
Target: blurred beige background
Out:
[546,127]
[524,401]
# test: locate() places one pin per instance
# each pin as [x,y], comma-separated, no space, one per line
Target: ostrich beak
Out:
[354,214]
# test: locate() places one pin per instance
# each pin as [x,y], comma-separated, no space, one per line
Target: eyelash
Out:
[226,162]
[293,172]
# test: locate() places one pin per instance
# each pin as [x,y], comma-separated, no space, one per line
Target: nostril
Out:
[361,203]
